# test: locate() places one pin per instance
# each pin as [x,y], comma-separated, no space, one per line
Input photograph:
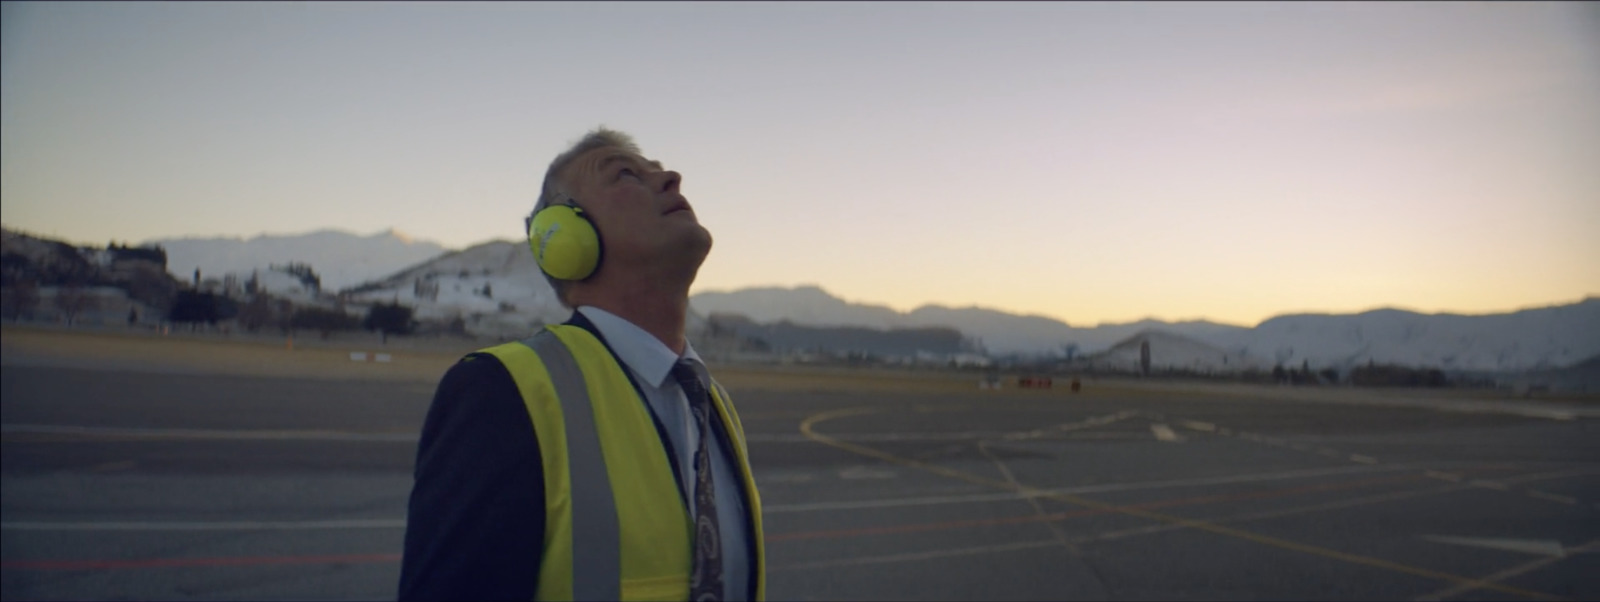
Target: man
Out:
[597,459]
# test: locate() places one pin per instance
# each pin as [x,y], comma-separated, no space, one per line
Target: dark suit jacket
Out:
[475,526]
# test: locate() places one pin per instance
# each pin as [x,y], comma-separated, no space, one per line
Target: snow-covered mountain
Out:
[1523,340]
[494,286]
[342,259]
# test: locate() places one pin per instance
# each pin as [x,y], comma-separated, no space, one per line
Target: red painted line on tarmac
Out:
[1038,518]
[147,563]
[156,563]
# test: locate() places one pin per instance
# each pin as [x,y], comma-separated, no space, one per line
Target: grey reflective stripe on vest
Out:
[596,540]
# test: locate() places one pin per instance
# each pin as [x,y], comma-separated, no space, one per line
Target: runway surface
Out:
[121,484]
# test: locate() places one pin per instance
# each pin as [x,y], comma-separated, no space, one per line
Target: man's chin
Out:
[704,241]
[700,242]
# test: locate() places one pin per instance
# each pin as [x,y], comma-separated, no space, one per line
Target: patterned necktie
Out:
[705,584]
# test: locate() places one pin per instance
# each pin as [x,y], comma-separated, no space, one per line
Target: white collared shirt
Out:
[651,361]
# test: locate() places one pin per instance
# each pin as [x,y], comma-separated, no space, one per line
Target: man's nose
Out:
[670,181]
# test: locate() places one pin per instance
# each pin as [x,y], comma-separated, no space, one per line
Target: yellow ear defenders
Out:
[564,242]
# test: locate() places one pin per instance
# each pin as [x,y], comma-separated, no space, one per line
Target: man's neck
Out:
[662,313]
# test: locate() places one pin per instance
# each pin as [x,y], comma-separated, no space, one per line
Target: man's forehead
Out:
[593,164]
[599,159]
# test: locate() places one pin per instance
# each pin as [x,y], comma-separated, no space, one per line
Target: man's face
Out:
[636,206]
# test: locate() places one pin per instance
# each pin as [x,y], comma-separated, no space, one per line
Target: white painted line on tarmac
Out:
[1539,547]
[1106,488]
[1204,427]
[1073,426]
[914,556]
[1164,433]
[227,434]
[1363,459]
[1562,499]
[202,526]
[1102,436]
[1545,476]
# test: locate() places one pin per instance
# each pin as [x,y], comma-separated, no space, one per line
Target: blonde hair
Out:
[554,188]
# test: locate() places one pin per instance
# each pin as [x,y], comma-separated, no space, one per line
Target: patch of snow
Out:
[341,259]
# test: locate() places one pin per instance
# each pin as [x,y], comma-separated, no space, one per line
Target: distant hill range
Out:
[996,331]
[494,289]
[809,318]
[342,259]
[928,342]
[1530,339]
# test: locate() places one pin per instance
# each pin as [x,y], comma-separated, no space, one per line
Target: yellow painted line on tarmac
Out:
[1515,571]
[1327,506]
[1038,508]
[774,414]
[807,427]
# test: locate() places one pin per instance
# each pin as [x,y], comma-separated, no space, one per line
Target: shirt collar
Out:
[640,351]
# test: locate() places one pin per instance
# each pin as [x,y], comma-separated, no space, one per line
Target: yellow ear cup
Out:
[564,242]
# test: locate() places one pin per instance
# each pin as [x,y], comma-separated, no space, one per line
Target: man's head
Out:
[646,227]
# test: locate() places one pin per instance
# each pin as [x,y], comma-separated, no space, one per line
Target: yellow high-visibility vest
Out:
[621,537]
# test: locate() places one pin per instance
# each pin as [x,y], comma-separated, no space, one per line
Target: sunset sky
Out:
[1088,162]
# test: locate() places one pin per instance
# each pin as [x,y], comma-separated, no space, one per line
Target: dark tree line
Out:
[18,299]
[1380,375]
[390,318]
[154,254]
[324,321]
[195,307]
[304,273]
